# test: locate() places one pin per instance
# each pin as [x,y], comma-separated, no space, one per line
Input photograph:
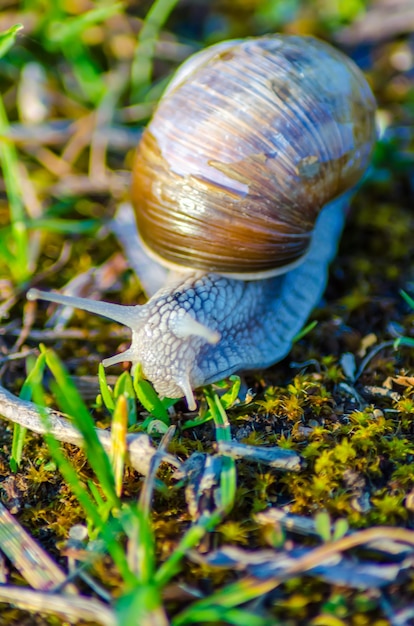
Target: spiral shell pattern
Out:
[251,139]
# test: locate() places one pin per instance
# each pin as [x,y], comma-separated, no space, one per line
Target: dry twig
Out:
[72,608]
[28,414]
[34,564]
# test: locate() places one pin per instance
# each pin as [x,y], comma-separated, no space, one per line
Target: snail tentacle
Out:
[131,316]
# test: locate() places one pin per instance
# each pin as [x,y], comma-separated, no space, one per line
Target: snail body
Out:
[250,142]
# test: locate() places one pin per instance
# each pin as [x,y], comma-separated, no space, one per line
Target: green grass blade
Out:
[118,442]
[19,437]
[228,484]
[66,468]
[71,402]
[63,226]
[146,548]
[190,540]
[72,479]
[231,596]
[409,300]
[228,399]
[149,399]
[111,535]
[8,38]
[141,543]
[65,33]
[6,255]
[19,240]
[87,74]
[19,432]
[143,605]
[9,162]
[323,525]
[103,505]
[404,341]
[305,330]
[218,614]
[144,52]
[96,512]
[341,527]
[125,387]
[106,391]
[228,477]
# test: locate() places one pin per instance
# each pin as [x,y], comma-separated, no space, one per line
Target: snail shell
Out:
[250,141]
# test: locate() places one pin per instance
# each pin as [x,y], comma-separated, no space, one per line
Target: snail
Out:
[251,140]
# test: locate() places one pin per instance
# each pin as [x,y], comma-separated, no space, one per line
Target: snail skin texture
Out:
[252,139]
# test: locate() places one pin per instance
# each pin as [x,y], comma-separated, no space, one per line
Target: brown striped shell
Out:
[250,141]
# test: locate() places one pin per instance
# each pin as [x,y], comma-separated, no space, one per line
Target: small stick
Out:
[34,564]
[306,526]
[28,414]
[278,458]
[71,608]
[149,483]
